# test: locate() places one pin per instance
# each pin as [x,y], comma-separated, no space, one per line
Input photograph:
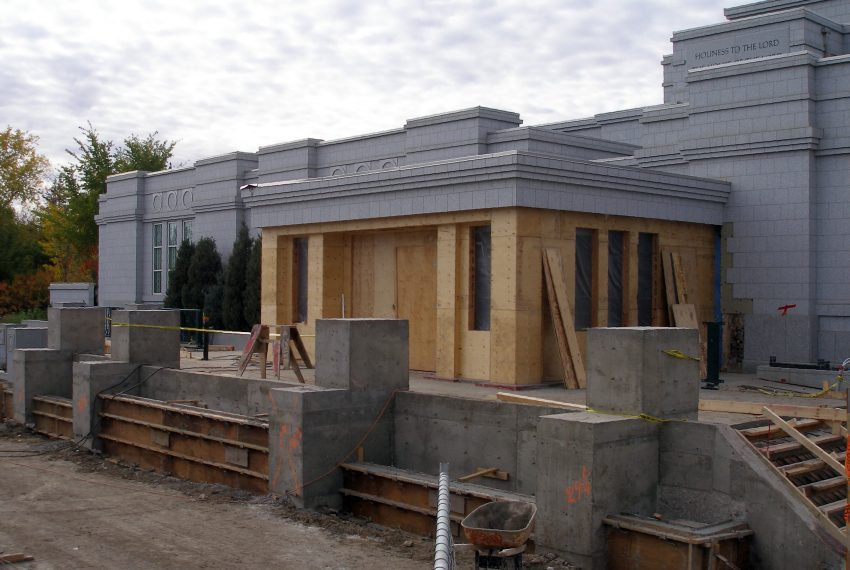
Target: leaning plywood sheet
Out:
[669,284]
[682,295]
[556,265]
[570,382]
[685,316]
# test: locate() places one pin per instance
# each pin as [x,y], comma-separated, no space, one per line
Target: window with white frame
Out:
[157,259]
[172,245]
[165,249]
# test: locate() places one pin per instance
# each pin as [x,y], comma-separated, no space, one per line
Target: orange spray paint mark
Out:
[578,489]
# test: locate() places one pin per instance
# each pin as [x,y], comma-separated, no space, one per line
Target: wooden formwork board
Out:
[192,444]
[406,500]
[54,416]
[7,410]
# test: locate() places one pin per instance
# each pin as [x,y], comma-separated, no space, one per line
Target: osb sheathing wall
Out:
[360,261]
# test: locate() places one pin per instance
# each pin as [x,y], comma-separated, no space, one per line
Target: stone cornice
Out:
[527,173]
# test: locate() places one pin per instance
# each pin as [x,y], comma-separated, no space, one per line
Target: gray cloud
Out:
[225,75]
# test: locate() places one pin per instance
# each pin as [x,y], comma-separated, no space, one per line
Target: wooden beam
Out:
[478,473]
[518,399]
[755,408]
[15,558]
[819,452]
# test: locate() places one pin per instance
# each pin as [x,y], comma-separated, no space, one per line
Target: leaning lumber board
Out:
[570,381]
[519,399]
[819,452]
[679,275]
[685,316]
[556,266]
[790,410]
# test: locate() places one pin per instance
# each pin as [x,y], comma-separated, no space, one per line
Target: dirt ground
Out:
[73,510]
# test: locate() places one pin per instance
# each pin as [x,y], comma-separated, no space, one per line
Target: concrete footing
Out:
[802,377]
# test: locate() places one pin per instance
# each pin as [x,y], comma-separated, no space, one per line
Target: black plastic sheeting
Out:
[644,294]
[615,278]
[301,250]
[481,278]
[584,279]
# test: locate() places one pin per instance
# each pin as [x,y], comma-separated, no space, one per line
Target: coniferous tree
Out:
[204,272]
[251,299]
[179,276]
[213,303]
[233,314]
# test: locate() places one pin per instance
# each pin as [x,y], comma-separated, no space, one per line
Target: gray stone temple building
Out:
[744,168]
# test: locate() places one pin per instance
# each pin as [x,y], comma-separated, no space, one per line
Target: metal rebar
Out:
[444,548]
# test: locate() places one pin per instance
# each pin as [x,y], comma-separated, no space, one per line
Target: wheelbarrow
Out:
[498,531]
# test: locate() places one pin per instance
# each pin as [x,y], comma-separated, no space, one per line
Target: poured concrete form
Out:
[579,467]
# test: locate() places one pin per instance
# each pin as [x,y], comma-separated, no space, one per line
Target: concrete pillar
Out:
[628,371]
[5,351]
[311,430]
[143,345]
[77,330]
[362,354]
[39,372]
[22,337]
[89,380]
[589,466]
[360,364]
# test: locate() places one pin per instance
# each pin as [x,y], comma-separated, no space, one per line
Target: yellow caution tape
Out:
[680,354]
[190,329]
[642,416]
[788,393]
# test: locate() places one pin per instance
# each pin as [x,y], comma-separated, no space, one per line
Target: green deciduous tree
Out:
[71,234]
[233,313]
[251,299]
[22,168]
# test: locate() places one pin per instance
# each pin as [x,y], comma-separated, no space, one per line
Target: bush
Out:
[26,292]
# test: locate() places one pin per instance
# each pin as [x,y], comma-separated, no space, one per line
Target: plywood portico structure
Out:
[400,243]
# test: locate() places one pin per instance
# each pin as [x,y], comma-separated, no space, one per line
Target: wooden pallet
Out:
[808,455]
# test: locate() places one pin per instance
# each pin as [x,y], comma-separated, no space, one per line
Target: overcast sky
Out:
[220,76]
